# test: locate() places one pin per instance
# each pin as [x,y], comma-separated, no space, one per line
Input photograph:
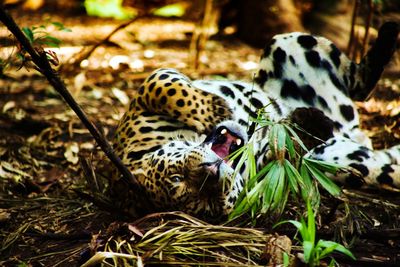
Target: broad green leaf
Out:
[261,173]
[305,235]
[281,191]
[309,190]
[336,246]
[239,152]
[271,179]
[328,248]
[277,138]
[281,136]
[332,263]
[61,27]
[28,33]
[294,178]
[323,165]
[290,147]
[271,203]
[296,224]
[308,250]
[286,259]
[296,137]
[251,162]
[326,183]
[311,223]
[248,200]
[51,41]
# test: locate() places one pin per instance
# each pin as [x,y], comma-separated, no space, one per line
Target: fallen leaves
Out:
[8,105]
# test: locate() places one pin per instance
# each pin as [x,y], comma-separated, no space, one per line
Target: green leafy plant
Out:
[313,251]
[288,172]
[38,35]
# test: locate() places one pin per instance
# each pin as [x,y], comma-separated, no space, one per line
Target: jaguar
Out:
[177,133]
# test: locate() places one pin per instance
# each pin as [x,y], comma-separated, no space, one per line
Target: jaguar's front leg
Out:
[168,92]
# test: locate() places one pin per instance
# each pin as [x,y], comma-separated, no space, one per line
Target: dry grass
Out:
[178,239]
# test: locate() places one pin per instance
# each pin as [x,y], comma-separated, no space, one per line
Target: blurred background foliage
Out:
[252,21]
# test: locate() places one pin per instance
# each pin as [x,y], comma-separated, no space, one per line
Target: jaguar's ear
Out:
[371,67]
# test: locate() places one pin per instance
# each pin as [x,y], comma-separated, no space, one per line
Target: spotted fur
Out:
[162,137]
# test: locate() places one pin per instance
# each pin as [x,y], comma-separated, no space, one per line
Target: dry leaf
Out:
[8,105]
[120,95]
[71,152]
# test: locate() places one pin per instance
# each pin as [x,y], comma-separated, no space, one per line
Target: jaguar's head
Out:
[196,177]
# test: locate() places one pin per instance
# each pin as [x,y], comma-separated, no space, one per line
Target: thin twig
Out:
[368,198]
[61,236]
[200,35]
[76,59]
[39,57]
[353,22]
[367,26]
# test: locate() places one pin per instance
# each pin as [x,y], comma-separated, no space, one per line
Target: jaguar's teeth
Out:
[230,163]
[209,145]
[224,131]
[238,142]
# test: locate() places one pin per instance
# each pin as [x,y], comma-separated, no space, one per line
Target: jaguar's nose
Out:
[212,168]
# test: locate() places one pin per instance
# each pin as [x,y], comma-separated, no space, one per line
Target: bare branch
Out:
[39,58]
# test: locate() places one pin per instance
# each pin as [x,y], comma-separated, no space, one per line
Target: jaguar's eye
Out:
[176,178]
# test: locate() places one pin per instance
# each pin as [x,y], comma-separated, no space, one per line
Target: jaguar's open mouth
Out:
[224,142]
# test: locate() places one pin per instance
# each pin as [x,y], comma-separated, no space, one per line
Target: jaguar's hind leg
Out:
[379,168]
[371,66]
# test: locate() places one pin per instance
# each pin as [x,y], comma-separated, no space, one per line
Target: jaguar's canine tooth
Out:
[238,142]
[224,131]
[230,163]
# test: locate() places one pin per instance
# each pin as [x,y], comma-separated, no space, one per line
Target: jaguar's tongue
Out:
[225,148]
[221,150]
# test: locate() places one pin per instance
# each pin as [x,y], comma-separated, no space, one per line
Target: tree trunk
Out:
[260,20]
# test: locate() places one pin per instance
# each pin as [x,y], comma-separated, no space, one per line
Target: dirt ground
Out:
[47,214]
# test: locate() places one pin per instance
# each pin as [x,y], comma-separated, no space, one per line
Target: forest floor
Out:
[46,219]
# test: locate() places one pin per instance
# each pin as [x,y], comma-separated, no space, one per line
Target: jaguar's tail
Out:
[371,66]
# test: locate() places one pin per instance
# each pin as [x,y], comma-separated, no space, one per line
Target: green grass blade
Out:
[251,162]
[296,224]
[272,179]
[277,138]
[281,192]
[261,173]
[290,147]
[308,249]
[311,223]
[331,246]
[286,259]
[248,200]
[323,165]
[296,137]
[29,34]
[294,178]
[326,183]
